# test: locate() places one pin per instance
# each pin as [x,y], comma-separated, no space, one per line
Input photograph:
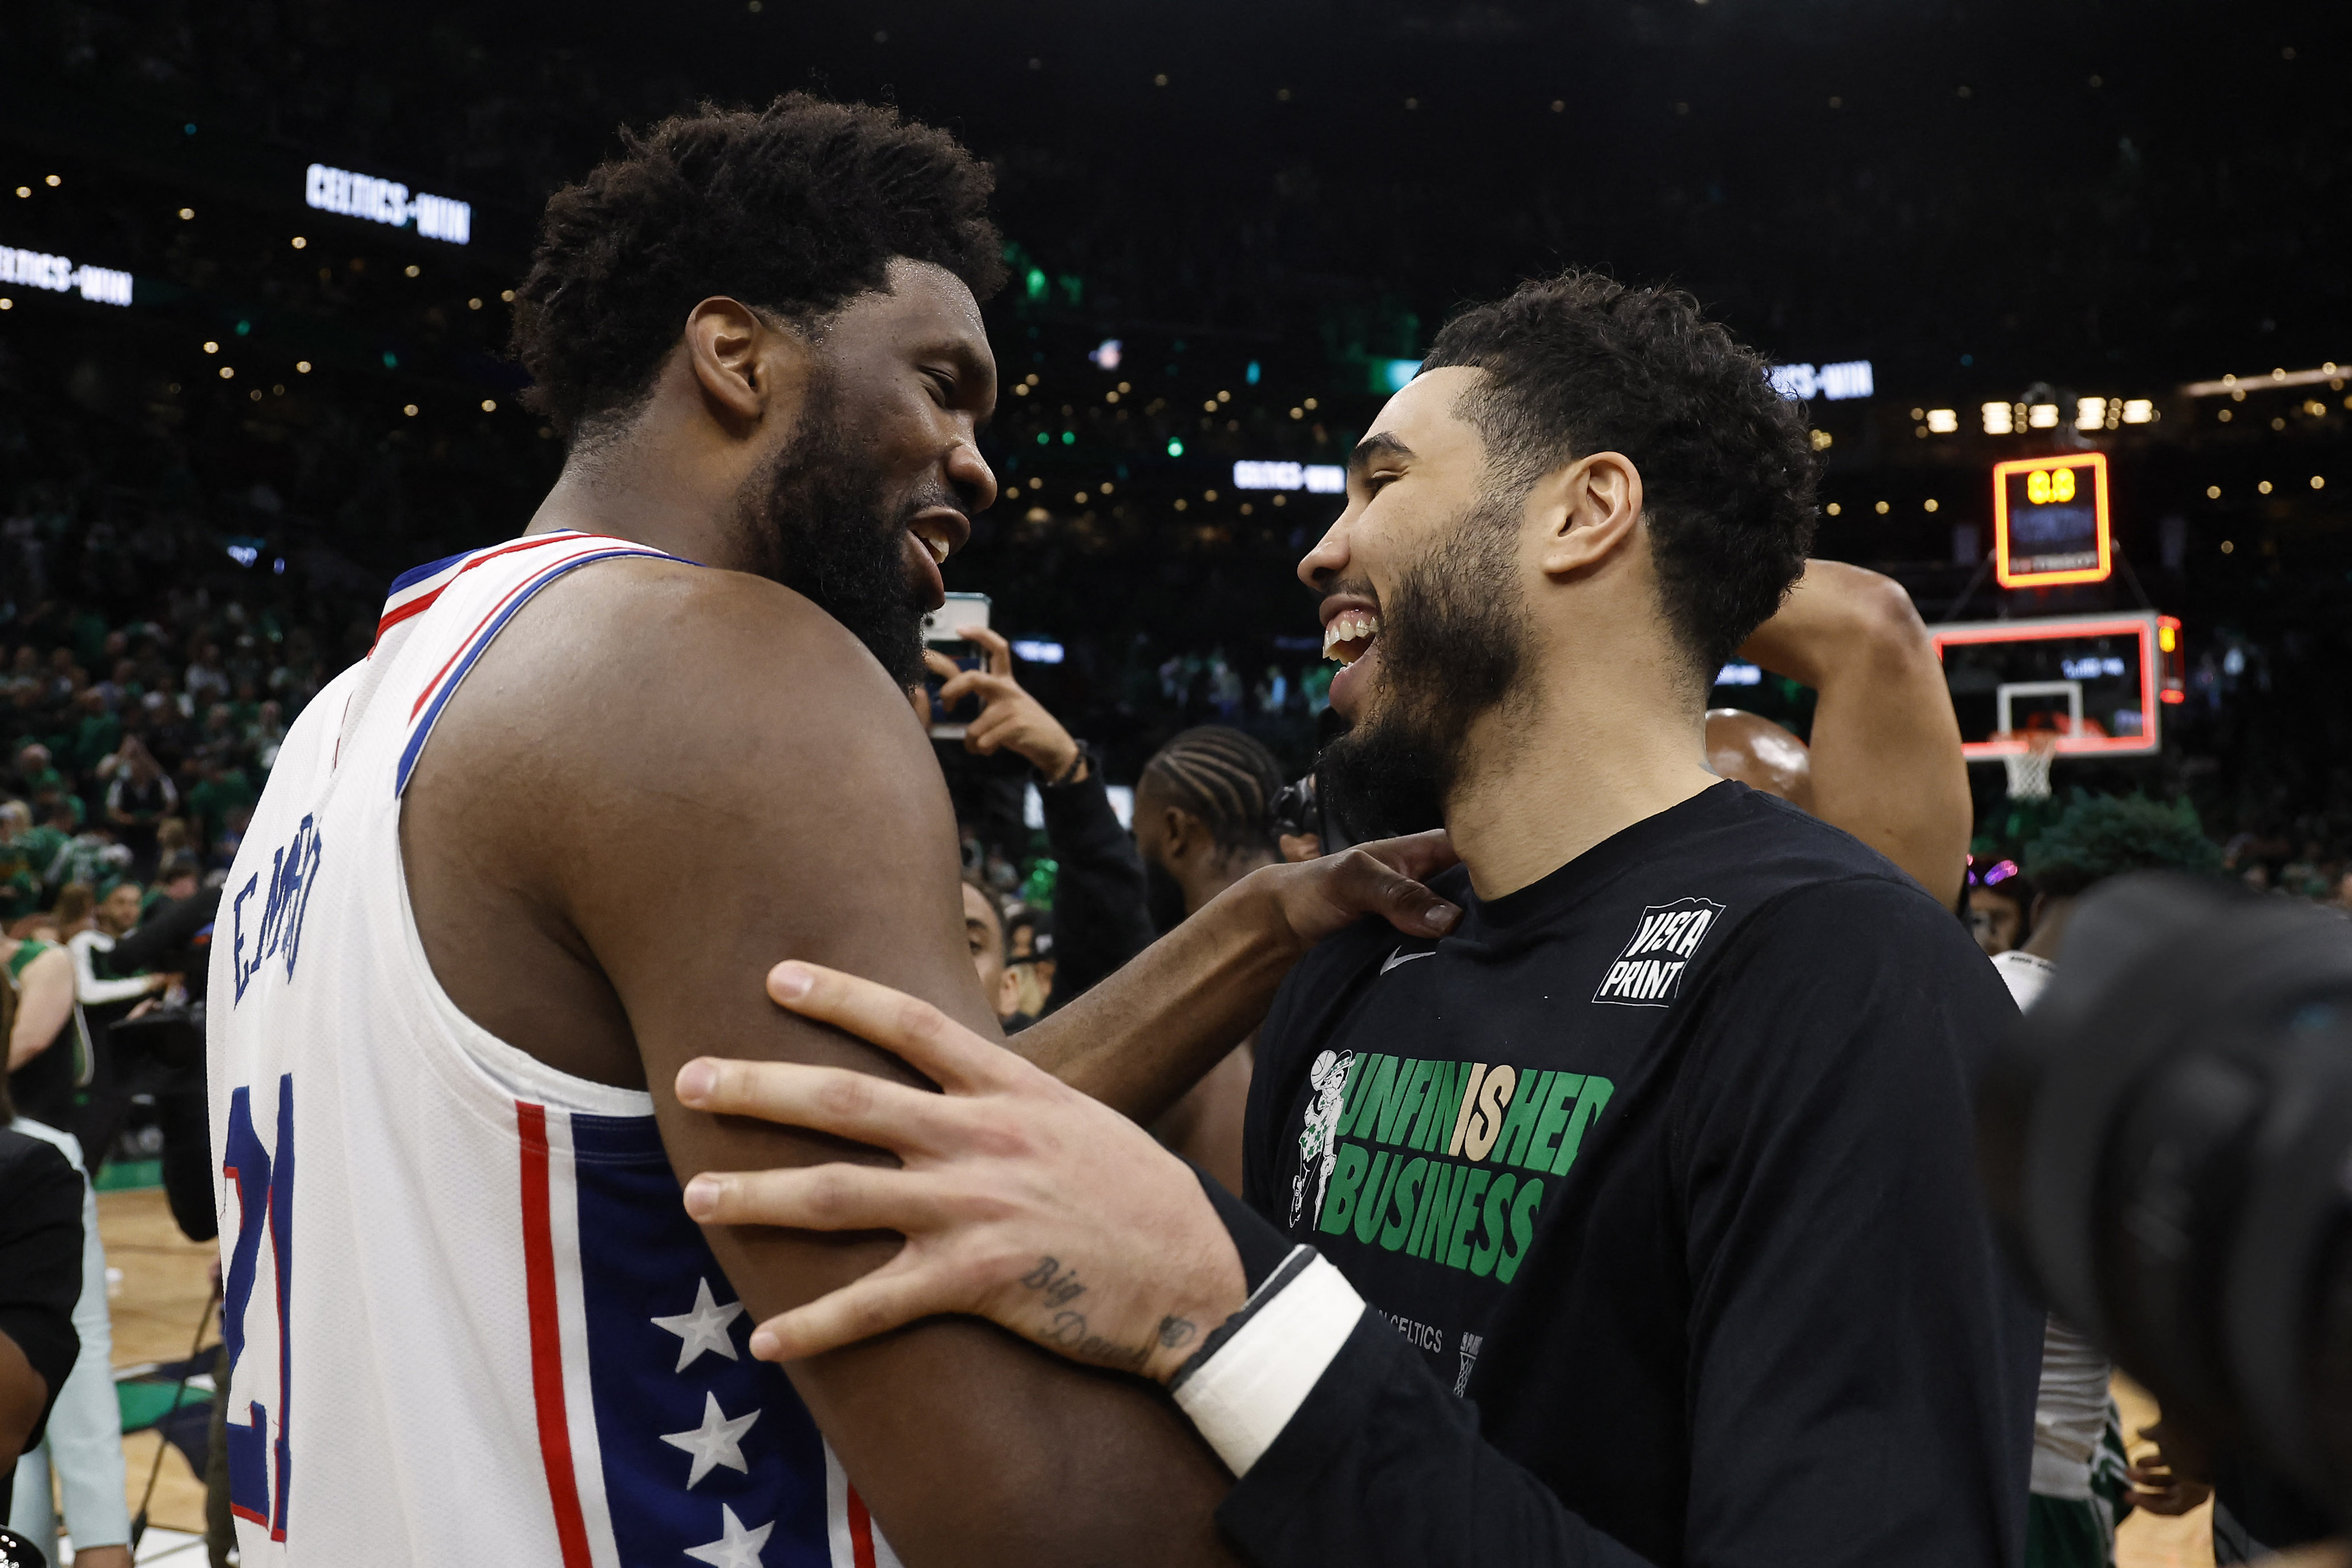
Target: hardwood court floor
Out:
[165,1281]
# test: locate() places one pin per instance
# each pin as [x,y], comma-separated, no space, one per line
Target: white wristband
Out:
[1245,1393]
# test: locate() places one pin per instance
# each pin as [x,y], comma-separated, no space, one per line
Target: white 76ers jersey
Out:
[468,1319]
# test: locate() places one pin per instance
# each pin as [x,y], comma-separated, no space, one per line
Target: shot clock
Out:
[2050,521]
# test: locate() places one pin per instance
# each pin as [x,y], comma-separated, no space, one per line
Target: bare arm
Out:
[1141,1038]
[666,782]
[44,999]
[1887,763]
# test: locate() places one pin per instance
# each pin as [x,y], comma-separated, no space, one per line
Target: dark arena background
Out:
[240,401]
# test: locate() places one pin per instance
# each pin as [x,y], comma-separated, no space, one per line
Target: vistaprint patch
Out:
[1649,972]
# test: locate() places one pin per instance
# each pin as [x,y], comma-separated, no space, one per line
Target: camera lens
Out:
[2165,1141]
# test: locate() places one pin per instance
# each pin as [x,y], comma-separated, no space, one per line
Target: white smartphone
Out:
[943,633]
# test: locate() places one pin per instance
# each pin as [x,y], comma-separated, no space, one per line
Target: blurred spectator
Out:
[983,930]
[1204,817]
[20,886]
[97,1105]
[1203,820]
[40,1281]
[139,797]
[83,1446]
[2000,901]
[179,879]
[72,915]
[1099,917]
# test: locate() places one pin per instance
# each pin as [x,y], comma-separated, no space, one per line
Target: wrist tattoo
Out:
[1066,1328]
[1067,1332]
[1060,1289]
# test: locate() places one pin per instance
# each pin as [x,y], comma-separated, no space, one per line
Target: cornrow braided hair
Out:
[1225,778]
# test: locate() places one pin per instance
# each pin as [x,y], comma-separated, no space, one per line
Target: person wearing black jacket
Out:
[1633,1220]
[40,1281]
[1100,916]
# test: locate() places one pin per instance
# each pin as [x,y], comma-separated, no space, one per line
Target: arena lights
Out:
[1038,650]
[2234,386]
[1317,478]
[1106,353]
[1830,382]
[37,270]
[1943,421]
[387,202]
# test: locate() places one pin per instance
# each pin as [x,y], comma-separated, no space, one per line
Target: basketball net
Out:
[2029,770]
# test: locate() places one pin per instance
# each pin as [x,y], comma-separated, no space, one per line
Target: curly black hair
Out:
[794,209]
[1580,363]
[2100,836]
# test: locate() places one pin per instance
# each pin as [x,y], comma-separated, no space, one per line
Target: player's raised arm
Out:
[717,774]
[1887,763]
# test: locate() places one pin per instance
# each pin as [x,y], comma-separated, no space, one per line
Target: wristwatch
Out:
[1082,758]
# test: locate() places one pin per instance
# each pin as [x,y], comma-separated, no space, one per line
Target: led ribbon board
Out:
[387,202]
[1316,478]
[39,269]
[2050,521]
[2091,680]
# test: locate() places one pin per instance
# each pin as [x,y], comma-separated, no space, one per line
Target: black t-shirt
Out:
[1664,1163]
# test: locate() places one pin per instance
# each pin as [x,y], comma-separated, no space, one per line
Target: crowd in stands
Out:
[136,751]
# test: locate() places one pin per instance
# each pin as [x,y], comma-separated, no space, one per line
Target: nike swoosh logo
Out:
[1402,956]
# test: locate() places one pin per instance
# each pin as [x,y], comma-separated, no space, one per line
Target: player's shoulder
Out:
[656,613]
[1788,842]
[652,651]
[1789,881]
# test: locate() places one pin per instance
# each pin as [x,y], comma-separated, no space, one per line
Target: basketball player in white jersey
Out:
[469,942]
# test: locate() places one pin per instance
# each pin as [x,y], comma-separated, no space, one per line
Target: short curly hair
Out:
[1581,364]
[795,209]
[2099,836]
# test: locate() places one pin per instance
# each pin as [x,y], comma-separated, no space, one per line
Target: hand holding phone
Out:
[1010,719]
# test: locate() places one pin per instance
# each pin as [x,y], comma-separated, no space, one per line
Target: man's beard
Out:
[818,520]
[1452,646]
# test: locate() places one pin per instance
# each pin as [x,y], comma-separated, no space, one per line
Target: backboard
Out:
[2096,682]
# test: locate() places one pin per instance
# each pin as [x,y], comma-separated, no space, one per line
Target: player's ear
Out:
[1587,511]
[745,367]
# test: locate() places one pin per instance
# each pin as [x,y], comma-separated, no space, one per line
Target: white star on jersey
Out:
[736,1546]
[717,1441]
[704,1328]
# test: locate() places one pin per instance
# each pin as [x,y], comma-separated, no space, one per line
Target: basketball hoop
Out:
[2029,770]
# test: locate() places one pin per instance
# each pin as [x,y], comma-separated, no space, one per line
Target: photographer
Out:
[2081,1484]
[1100,916]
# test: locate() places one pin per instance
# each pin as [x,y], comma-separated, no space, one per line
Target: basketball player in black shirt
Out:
[1647,1186]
